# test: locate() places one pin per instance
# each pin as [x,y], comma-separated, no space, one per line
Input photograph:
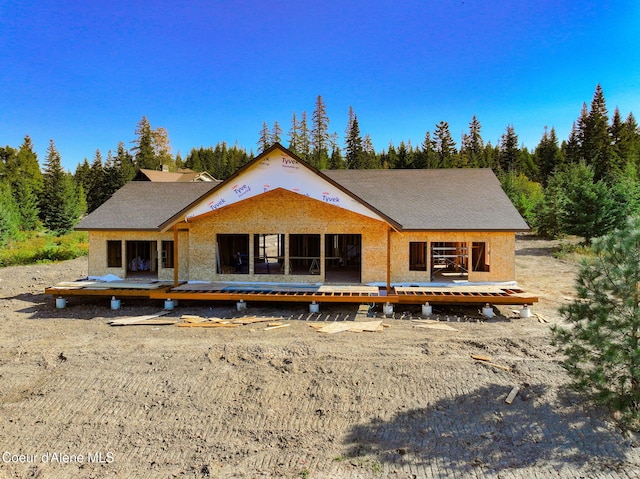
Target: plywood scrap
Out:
[333,328]
[434,325]
[512,395]
[353,326]
[317,326]
[254,319]
[129,320]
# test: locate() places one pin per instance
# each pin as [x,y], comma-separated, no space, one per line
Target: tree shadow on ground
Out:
[479,431]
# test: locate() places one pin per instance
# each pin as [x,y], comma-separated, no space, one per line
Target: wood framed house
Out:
[279,220]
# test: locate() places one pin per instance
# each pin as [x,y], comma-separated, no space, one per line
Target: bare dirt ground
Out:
[82,399]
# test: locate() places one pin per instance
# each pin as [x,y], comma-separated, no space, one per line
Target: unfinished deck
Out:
[298,292]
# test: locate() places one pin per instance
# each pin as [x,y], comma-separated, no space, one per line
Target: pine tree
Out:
[596,141]
[144,153]
[336,161]
[24,182]
[29,166]
[404,156]
[264,141]
[547,155]
[472,146]
[444,145]
[371,160]
[631,141]
[95,186]
[162,149]
[276,133]
[304,148]
[354,153]
[9,215]
[60,205]
[509,151]
[428,152]
[113,179]
[320,138]
[294,135]
[125,163]
[589,208]
[602,343]
[390,159]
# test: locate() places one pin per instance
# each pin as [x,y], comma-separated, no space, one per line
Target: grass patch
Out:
[33,248]
[573,252]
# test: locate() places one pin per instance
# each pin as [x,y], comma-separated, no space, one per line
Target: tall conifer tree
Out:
[320,138]
[61,204]
[144,152]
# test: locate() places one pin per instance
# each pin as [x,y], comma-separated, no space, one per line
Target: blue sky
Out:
[84,73]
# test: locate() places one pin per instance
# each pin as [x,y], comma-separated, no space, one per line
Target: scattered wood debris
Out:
[431,324]
[148,320]
[487,360]
[209,324]
[541,318]
[253,319]
[352,326]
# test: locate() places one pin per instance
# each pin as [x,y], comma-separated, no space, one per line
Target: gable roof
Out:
[437,199]
[146,205]
[277,167]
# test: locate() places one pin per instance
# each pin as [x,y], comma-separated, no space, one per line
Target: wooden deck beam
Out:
[408,297]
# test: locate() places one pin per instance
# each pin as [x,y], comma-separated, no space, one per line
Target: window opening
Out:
[268,253]
[114,254]
[167,254]
[418,256]
[142,258]
[449,259]
[233,253]
[304,254]
[480,256]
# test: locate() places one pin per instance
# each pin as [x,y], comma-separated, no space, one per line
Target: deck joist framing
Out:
[503,296]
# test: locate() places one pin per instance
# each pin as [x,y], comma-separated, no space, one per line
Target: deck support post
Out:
[175,256]
[389,261]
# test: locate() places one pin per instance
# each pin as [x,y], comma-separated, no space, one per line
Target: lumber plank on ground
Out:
[487,360]
[478,357]
[154,322]
[208,325]
[253,319]
[135,319]
[277,326]
[541,318]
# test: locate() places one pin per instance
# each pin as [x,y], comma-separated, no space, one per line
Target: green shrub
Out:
[42,248]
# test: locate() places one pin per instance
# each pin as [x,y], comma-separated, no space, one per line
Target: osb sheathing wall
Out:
[501,254]
[98,252]
[283,212]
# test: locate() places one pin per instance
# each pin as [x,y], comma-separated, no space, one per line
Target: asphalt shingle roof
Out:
[438,199]
[435,199]
[145,205]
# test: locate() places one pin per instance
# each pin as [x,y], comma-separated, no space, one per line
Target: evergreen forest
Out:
[586,185]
